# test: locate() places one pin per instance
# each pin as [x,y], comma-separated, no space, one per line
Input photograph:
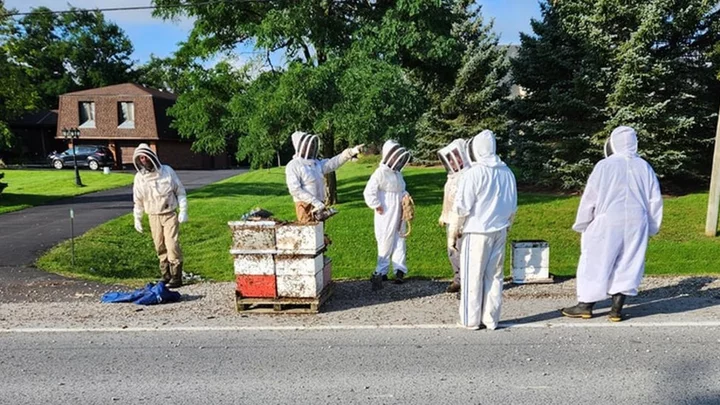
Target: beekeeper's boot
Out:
[176,275]
[165,272]
[454,287]
[615,315]
[581,310]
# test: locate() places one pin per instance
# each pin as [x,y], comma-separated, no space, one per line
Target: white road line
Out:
[546,325]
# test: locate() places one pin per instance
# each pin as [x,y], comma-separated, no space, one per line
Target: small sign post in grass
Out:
[72,236]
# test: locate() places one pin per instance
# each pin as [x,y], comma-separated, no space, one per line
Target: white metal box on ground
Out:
[530,261]
[292,239]
[254,265]
[252,236]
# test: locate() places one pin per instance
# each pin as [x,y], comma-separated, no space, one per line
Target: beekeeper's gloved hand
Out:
[138,214]
[318,206]
[455,225]
[182,202]
[355,151]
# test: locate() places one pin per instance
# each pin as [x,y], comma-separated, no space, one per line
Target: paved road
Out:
[654,365]
[26,234]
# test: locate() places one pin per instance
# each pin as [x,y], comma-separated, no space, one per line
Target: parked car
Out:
[92,156]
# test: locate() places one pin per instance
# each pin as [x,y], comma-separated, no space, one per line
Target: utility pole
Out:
[711,224]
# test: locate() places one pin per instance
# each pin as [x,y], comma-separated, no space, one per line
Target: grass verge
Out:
[115,252]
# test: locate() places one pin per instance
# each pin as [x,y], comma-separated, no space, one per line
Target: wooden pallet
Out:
[283,305]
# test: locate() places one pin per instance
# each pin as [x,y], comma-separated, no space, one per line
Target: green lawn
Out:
[28,188]
[115,251]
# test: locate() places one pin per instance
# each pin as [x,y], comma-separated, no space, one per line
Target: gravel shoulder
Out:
[417,302]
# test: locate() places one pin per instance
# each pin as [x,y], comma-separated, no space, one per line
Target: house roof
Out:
[37,118]
[125,89]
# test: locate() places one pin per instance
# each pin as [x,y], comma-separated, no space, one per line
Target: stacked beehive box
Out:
[278,260]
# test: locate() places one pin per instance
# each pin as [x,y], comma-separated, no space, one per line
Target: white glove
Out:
[318,206]
[357,150]
[455,224]
[137,215]
[451,242]
[183,204]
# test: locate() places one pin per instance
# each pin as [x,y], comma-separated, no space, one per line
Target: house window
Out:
[126,114]
[87,114]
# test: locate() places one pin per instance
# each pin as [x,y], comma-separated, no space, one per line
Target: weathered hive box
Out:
[255,275]
[276,260]
[256,286]
[530,261]
[253,246]
[293,239]
[301,276]
[253,237]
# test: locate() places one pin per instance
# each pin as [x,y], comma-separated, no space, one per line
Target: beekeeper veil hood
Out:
[481,149]
[394,156]
[306,145]
[454,156]
[623,142]
[151,164]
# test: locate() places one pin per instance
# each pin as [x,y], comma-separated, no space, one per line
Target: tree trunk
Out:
[278,158]
[330,179]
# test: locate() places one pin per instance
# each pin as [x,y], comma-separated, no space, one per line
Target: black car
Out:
[92,156]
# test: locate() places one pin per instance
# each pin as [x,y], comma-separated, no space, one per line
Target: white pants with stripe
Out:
[481,278]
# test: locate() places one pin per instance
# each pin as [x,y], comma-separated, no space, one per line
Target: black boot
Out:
[615,315]
[165,272]
[399,277]
[377,282]
[581,310]
[176,276]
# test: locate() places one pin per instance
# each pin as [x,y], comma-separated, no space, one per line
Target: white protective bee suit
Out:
[384,192]
[620,209]
[304,173]
[484,209]
[455,159]
[157,191]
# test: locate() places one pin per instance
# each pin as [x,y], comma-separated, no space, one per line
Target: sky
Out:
[154,36]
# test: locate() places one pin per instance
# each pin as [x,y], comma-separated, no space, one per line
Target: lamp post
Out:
[73,134]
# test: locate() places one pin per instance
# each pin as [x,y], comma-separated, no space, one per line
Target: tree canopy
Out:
[593,65]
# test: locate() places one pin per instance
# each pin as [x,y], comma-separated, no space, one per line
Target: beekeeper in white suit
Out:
[305,174]
[620,209]
[157,191]
[455,159]
[384,193]
[484,209]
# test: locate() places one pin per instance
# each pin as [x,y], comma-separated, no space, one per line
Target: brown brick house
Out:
[124,115]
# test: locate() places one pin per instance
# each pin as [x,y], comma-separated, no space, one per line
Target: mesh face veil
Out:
[396,158]
[454,156]
[308,146]
[150,161]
